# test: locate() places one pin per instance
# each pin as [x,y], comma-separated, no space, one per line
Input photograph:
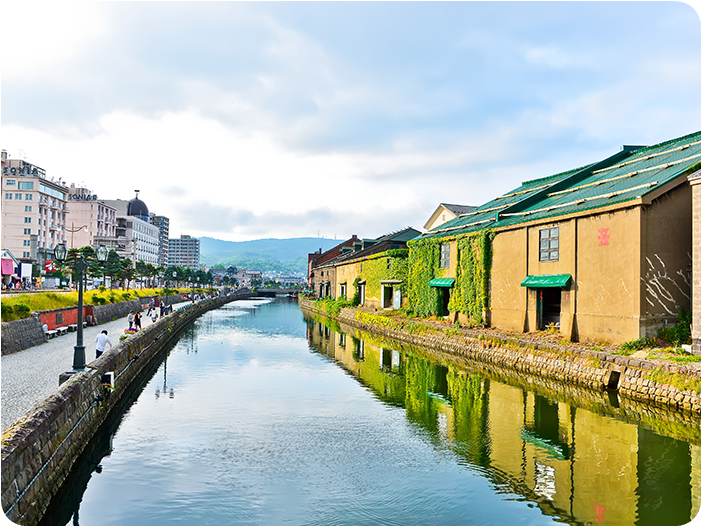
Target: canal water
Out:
[262,416]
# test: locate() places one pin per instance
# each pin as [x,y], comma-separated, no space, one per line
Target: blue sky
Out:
[248,120]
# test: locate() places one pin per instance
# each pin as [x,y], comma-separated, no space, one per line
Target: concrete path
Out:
[29,376]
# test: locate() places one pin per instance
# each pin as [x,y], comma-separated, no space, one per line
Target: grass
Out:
[680,382]
[15,307]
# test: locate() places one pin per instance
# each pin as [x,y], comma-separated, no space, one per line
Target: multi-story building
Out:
[162,222]
[137,239]
[88,218]
[184,251]
[34,211]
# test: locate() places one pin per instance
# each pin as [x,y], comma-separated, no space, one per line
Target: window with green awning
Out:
[547,280]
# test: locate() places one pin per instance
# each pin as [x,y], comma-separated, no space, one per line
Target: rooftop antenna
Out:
[137,194]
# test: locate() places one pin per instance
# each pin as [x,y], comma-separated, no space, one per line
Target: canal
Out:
[260,416]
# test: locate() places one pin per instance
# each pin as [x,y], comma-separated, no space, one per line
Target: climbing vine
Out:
[388,265]
[423,265]
[470,294]
[471,290]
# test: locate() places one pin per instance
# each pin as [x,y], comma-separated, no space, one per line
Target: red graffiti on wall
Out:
[599,513]
[604,236]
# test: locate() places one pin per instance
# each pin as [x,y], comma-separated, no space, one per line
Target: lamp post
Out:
[81,265]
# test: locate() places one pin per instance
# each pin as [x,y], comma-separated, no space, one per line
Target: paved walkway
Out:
[29,376]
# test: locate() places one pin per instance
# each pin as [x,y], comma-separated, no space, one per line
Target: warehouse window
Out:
[445,262]
[548,245]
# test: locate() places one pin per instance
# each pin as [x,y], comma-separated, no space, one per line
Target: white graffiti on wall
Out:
[663,289]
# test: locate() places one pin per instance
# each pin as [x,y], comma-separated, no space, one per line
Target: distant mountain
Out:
[272,254]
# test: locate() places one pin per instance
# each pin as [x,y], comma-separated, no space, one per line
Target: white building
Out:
[137,238]
[184,252]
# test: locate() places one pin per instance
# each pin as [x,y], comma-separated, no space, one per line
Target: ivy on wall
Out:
[388,265]
[423,265]
[470,294]
[471,290]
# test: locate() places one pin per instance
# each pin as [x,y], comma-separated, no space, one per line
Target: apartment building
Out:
[184,252]
[163,224]
[88,219]
[34,210]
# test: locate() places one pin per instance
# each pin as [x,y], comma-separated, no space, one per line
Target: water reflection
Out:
[582,459]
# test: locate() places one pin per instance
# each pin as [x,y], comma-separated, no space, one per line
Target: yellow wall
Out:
[607,284]
[509,268]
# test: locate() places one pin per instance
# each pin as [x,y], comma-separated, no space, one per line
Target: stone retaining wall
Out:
[39,449]
[21,334]
[597,370]
[107,312]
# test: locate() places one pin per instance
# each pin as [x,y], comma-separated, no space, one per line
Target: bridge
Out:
[277,291]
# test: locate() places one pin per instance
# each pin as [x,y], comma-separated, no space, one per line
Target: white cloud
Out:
[39,34]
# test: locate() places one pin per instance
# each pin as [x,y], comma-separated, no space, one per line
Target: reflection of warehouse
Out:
[573,462]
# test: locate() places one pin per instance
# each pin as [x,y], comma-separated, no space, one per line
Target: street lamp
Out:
[60,254]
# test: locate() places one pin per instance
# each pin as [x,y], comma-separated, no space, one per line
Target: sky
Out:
[251,120]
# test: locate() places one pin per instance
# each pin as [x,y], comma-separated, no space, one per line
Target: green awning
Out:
[442,282]
[547,280]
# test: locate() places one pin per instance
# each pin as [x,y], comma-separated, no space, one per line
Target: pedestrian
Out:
[100,341]
[137,320]
[154,316]
[130,319]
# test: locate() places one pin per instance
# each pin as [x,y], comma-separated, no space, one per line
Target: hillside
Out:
[272,254]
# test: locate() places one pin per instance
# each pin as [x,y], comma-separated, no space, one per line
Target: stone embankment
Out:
[39,449]
[659,382]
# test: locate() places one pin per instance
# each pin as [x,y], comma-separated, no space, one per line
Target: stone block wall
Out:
[39,449]
[694,180]
[21,334]
[590,369]
[108,312]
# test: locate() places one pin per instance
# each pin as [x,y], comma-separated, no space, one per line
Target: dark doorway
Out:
[387,296]
[444,296]
[551,306]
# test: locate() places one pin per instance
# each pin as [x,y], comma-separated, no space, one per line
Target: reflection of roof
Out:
[631,174]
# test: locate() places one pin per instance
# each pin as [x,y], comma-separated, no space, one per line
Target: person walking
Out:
[130,319]
[137,320]
[100,342]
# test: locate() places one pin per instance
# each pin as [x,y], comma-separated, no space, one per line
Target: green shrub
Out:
[126,295]
[21,311]
[680,332]
[95,299]
[8,313]
[635,345]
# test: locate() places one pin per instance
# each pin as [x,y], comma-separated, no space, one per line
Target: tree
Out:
[127,272]
[113,266]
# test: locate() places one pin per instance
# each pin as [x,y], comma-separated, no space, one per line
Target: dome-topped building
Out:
[138,208]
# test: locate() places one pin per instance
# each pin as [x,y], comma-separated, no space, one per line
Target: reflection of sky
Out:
[261,431]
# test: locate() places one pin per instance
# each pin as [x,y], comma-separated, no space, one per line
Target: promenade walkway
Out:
[29,376]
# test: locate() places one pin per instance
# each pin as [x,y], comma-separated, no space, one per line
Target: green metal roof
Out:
[627,175]
[547,280]
[441,282]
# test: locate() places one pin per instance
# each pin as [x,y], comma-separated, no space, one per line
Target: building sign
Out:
[604,236]
[49,266]
[82,197]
